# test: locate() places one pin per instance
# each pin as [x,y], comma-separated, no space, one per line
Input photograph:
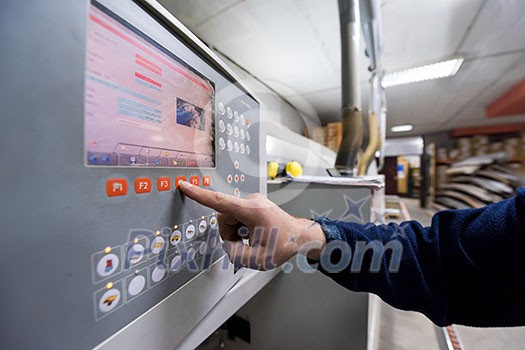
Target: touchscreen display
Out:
[144,106]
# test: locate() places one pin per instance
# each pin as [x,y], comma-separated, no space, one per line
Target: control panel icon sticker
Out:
[203,225]
[158,273]
[213,222]
[136,254]
[136,286]
[116,187]
[190,231]
[109,300]
[175,237]
[164,183]
[157,245]
[176,263]
[107,265]
[142,185]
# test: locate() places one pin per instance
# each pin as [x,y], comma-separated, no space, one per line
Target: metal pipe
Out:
[352,120]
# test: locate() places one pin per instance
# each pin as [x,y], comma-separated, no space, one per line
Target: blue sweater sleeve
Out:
[466,268]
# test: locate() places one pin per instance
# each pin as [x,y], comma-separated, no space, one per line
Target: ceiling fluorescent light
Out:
[431,71]
[402,128]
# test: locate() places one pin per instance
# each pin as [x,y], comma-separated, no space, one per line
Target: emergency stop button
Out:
[116,187]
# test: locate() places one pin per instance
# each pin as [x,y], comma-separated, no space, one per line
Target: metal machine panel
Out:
[107,105]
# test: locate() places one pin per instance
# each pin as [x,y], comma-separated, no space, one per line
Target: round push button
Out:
[229,113]
[109,300]
[176,263]
[175,237]
[136,254]
[202,248]
[203,225]
[158,273]
[136,285]
[222,144]
[222,127]
[190,255]
[157,245]
[222,110]
[190,231]
[213,222]
[107,265]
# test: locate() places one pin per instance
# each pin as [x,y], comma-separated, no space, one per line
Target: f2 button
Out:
[206,180]
[142,185]
[195,181]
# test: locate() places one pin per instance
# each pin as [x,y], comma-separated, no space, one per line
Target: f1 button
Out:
[116,187]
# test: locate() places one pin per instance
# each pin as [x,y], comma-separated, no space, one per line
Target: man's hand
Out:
[274,235]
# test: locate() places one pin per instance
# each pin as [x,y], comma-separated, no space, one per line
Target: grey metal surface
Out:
[299,310]
[56,215]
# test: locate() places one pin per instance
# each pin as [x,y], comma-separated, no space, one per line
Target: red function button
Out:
[194,180]
[116,187]
[178,180]
[142,185]
[163,183]
[206,180]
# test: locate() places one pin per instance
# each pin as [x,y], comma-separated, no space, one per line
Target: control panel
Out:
[132,105]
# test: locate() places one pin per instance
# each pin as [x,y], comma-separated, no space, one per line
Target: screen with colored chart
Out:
[144,105]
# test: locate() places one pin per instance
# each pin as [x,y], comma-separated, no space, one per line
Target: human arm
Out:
[466,268]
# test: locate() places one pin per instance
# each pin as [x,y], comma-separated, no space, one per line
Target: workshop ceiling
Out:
[293,46]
